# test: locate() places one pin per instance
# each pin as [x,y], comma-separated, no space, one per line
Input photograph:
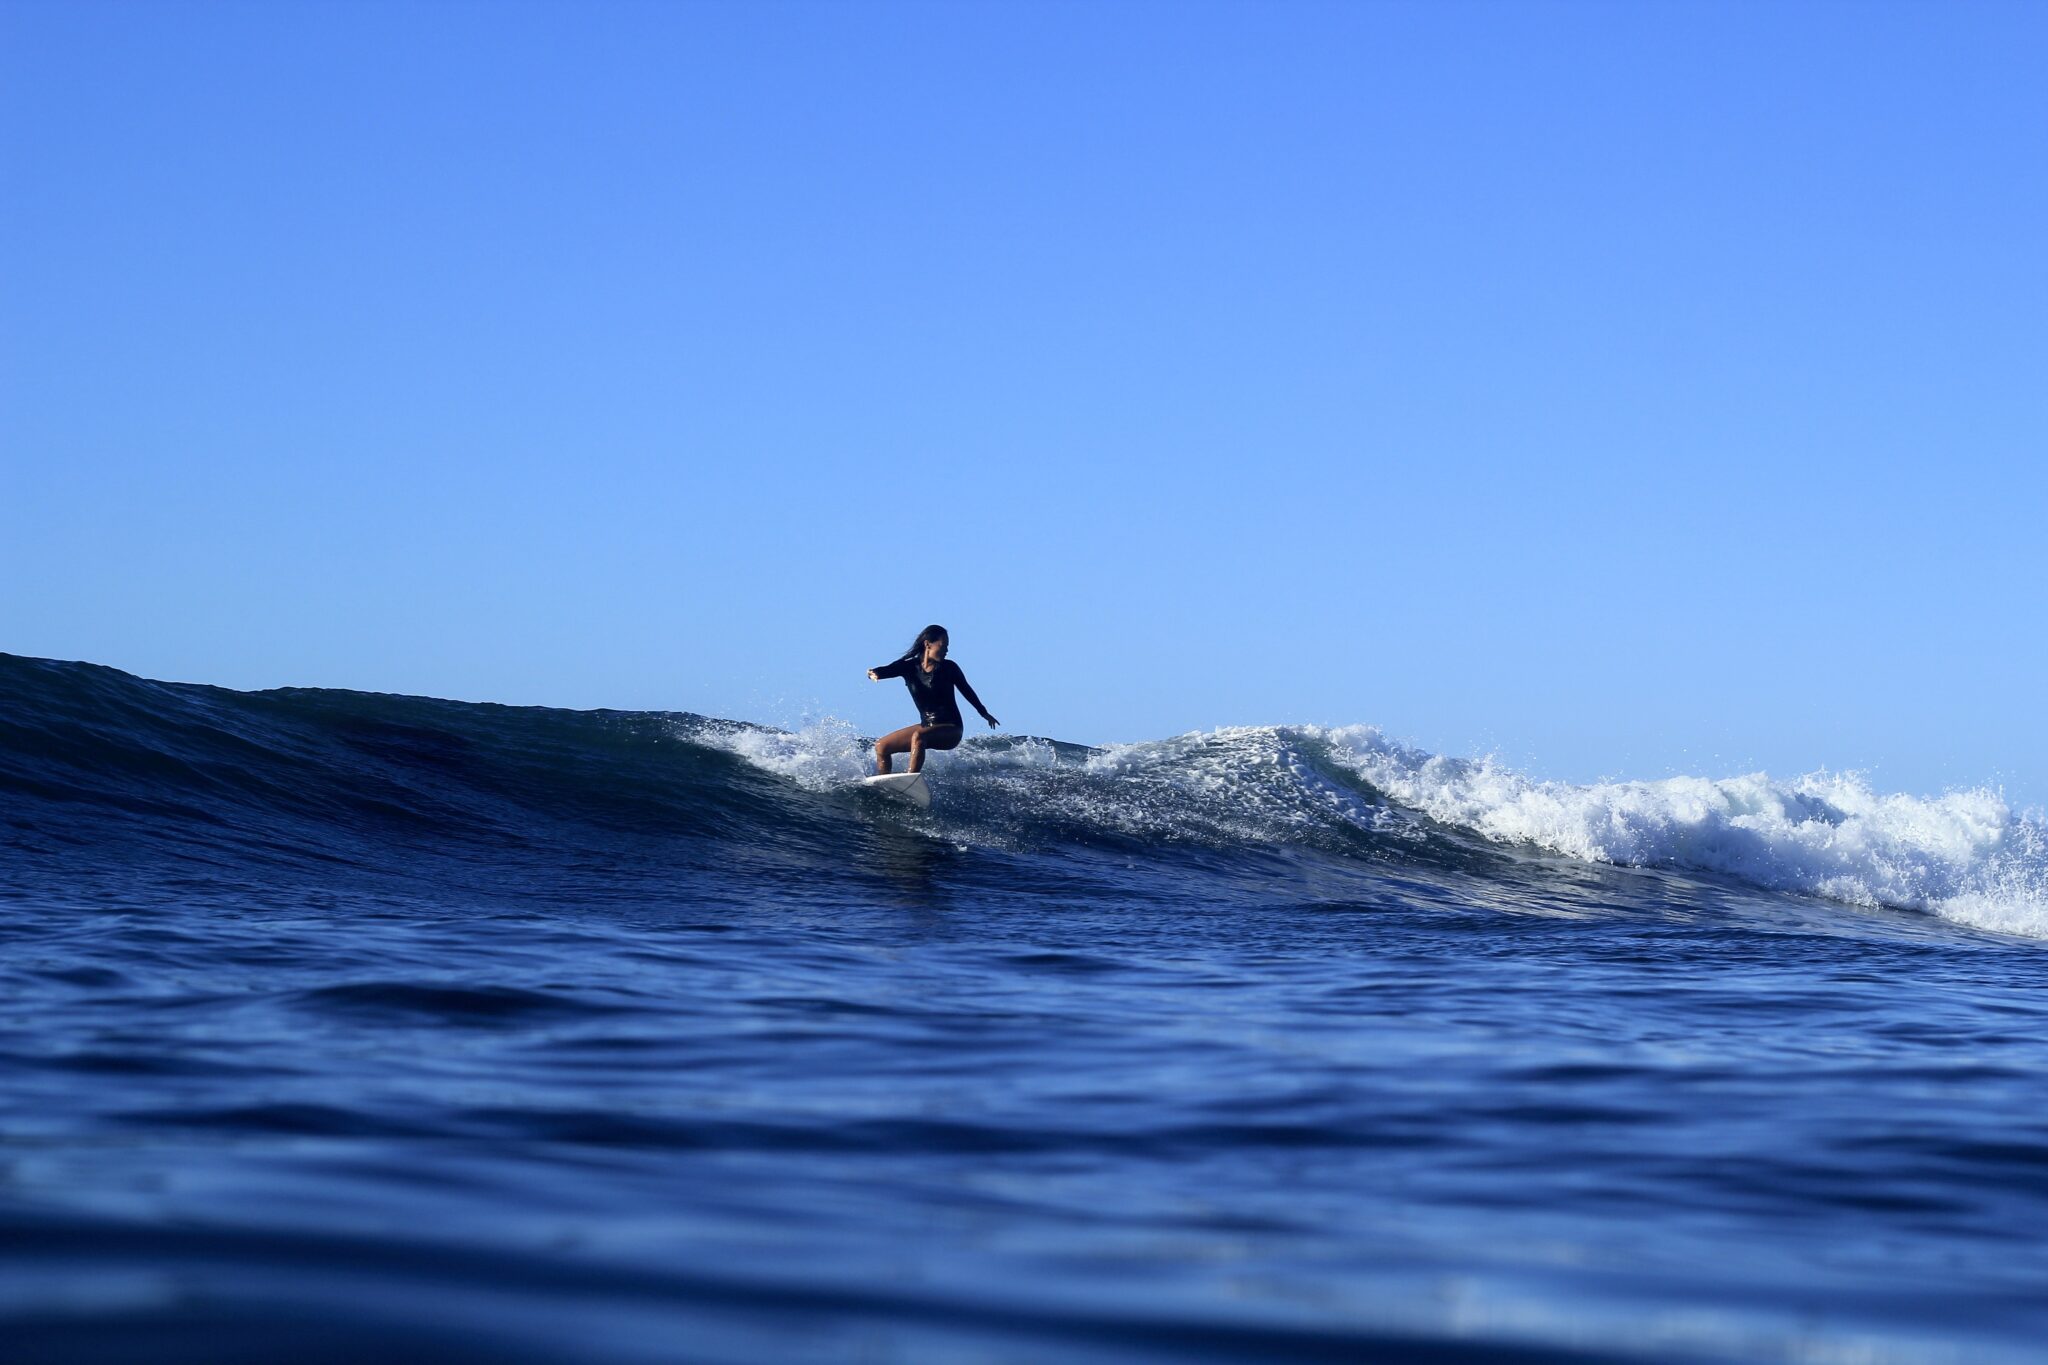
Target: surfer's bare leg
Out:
[914,740]
[930,737]
[894,743]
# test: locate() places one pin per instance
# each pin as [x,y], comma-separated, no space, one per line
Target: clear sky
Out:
[1626,389]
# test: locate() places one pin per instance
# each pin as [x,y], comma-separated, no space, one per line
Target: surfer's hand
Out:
[991,721]
[872,676]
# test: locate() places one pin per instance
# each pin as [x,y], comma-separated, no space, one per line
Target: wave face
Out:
[431,1029]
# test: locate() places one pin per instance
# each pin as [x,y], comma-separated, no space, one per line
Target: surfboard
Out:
[909,787]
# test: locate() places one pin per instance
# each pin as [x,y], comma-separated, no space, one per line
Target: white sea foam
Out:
[1963,855]
[823,754]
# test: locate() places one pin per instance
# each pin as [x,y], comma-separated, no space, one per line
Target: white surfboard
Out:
[909,787]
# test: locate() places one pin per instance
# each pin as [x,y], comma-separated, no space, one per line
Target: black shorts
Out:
[938,736]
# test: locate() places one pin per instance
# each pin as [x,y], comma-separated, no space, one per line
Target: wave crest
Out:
[1964,855]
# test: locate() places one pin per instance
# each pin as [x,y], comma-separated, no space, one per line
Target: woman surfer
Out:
[931,678]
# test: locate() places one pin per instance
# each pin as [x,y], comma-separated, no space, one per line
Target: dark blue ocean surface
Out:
[337,1026]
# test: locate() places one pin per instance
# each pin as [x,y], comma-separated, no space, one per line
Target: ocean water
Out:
[338,1026]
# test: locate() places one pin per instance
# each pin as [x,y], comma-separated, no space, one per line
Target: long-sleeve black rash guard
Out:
[933,691]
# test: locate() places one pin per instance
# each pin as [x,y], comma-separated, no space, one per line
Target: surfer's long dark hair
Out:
[925,637]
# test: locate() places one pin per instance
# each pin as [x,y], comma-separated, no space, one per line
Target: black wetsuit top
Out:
[933,691]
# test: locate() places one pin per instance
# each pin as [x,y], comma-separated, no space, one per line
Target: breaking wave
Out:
[405,787]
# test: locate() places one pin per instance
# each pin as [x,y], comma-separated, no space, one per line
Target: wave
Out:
[157,773]
[1964,855]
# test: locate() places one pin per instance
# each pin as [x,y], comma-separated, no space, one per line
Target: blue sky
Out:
[1625,389]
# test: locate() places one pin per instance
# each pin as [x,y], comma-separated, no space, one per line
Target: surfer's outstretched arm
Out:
[960,681]
[894,670]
